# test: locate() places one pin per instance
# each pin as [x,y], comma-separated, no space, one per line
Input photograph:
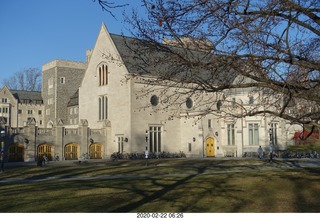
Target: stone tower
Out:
[60,81]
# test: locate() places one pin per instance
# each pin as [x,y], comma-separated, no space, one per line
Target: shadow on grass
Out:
[287,190]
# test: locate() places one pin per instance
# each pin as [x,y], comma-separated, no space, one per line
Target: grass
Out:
[304,147]
[164,186]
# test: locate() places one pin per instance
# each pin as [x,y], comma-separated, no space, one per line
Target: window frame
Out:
[154,100]
[102,74]
[231,137]
[62,80]
[274,128]
[189,103]
[120,142]
[154,140]
[253,133]
[103,107]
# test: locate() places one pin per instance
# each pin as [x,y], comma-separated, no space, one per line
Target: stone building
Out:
[18,107]
[96,108]
[60,81]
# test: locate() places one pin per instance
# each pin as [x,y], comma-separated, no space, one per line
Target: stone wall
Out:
[57,137]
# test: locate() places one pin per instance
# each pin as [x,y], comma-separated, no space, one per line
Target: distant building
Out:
[18,107]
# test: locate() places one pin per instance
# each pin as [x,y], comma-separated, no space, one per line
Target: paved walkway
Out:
[278,164]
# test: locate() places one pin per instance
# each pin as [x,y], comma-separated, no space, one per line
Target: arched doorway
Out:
[210,152]
[16,153]
[71,151]
[95,151]
[45,149]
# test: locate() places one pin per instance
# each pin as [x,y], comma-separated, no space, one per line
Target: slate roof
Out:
[171,62]
[74,99]
[3,120]
[23,96]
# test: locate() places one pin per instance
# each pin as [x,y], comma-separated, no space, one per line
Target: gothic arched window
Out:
[103,75]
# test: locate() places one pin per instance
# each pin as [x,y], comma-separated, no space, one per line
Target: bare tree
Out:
[109,5]
[27,79]
[215,47]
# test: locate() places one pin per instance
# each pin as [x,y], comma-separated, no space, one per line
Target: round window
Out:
[154,100]
[189,103]
[219,104]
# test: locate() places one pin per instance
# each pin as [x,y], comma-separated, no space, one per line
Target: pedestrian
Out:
[271,153]
[2,161]
[44,159]
[260,152]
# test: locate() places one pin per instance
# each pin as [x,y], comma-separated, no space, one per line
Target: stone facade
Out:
[60,81]
[96,108]
[17,107]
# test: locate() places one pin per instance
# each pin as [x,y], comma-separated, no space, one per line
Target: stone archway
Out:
[95,151]
[16,153]
[45,149]
[71,151]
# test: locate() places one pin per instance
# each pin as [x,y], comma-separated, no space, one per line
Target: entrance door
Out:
[16,153]
[95,151]
[71,151]
[45,149]
[210,147]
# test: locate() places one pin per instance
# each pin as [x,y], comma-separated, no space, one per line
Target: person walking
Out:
[44,160]
[271,153]
[2,161]
[260,152]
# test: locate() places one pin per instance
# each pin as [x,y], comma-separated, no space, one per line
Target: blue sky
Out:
[34,32]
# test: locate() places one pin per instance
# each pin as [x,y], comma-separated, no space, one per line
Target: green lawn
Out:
[182,185]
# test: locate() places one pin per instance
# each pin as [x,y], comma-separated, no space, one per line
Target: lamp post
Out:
[2,139]
[2,135]
[146,153]
[270,134]
[271,149]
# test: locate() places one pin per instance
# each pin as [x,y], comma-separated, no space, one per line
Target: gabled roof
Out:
[74,99]
[27,96]
[171,62]
[3,120]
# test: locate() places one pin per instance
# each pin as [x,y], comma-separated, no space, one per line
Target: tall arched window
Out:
[103,107]
[103,75]
[100,76]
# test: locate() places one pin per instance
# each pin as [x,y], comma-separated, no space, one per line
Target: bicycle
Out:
[56,157]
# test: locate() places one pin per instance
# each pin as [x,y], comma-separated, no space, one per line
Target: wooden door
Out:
[95,151]
[71,152]
[210,152]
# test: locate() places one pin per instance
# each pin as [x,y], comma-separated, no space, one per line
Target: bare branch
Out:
[27,79]
[207,48]
[109,5]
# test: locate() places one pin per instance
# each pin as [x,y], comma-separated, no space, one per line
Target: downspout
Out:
[202,137]
[242,142]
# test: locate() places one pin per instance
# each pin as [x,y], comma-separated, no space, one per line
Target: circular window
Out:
[189,103]
[154,100]
[219,104]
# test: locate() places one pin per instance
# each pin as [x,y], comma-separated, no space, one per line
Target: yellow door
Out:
[45,149]
[210,147]
[71,152]
[16,152]
[95,151]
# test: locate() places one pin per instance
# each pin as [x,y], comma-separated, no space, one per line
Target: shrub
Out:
[301,137]
[141,156]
